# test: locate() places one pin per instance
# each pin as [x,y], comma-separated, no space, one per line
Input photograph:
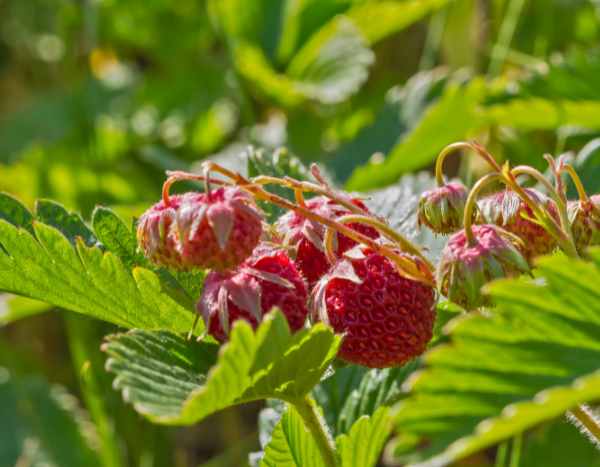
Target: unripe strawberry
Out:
[509,211]
[306,237]
[217,230]
[386,318]
[465,268]
[266,280]
[155,233]
[442,208]
[585,222]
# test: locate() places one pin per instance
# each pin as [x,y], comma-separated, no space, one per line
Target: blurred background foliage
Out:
[99,97]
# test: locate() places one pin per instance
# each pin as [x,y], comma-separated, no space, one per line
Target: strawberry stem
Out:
[388,232]
[479,149]
[471,202]
[314,422]
[588,421]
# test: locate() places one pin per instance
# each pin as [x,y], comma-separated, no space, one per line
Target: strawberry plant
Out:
[331,313]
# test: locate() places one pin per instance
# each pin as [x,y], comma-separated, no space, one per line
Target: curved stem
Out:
[583,196]
[388,232]
[472,202]
[480,150]
[261,194]
[314,422]
[176,176]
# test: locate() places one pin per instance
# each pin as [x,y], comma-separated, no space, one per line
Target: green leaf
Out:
[178,389]
[42,421]
[451,118]
[534,358]
[536,113]
[279,163]
[82,278]
[363,444]
[378,20]
[291,445]
[332,68]
[68,223]
[115,236]
[12,211]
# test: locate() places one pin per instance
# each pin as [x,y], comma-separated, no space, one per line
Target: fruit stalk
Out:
[584,416]
[263,195]
[472,202]
[313,420]
[480,150]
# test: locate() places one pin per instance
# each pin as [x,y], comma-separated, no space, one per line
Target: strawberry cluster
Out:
[329,259]
[312,264]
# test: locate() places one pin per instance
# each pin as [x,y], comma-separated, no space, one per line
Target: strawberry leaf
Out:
[45,265]
[534,358]
[166,378]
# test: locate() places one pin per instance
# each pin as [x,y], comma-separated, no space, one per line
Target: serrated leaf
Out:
[82,278]
[70,224]
[14,212]
[291,445]
[42,421]
[115,236]
[268,363]
[451,118]
[534,358]
[363,444]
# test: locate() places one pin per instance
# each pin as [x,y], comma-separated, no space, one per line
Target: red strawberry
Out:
[307,237]
[442,208]
[509,211]
[154,233]
[218,230]
[266,280]
[386,319]
[465,268]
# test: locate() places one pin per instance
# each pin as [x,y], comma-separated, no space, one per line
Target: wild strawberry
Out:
[306,236]
[585,222]
[442,208]
[465,268]
[155,236]
[386,319]
[509,211]
[217,230]
[266,280]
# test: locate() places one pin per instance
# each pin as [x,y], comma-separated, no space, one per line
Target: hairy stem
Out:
[568,168]
[314,422]
[388,232]
[588,421]
[480,150]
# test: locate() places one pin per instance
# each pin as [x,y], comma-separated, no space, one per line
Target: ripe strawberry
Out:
[217,230]
[442,208]
[464,269]
[386,319]
[267,279]
[507,210]
[154,233]
[585,222]
[306,237]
